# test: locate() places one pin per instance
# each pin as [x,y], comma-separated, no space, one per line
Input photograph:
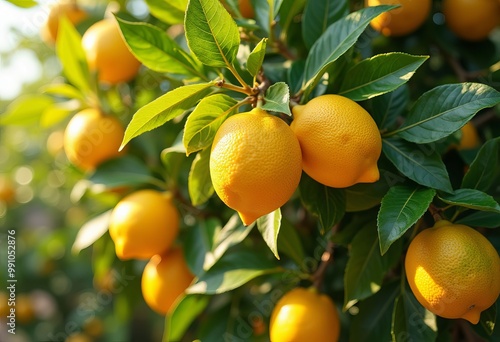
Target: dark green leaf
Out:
[401,207]
[287,13]
[211,33]
[485,219]
[335,41]
[199,243]
[26,110]
[185,312]
[170,12]
[277,99]
[199,182]
[487,321]
[91,231]
[472,199]
[318,15]
[232,271]
[289,242]
[296,76]
[379,75]
[256,57]
[328,204]
[202,124]
[165,108]
[269,227]
[483,172]
[420,163]
[363,196]
[388,107]
[366,267]
[444,110]
[70,52]
[156,50]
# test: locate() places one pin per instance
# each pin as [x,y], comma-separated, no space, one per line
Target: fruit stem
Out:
[435,212]
[246,88]
[229,86]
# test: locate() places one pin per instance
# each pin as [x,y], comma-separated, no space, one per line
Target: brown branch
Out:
[326,260]
[435,212]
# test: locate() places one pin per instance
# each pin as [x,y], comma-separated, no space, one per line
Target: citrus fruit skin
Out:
[164,279]
[400,21]
[246,9]
[471,20]
[340,141]
[304,315]
[453,271]
[91,138]
[143,224]
[470,138]
[7,191]
[255,163]
[107,54]
[71,10]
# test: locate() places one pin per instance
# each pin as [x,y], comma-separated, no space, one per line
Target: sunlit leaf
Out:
[91,231]
[269,227]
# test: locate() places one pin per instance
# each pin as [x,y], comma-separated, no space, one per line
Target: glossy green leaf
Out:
[165,108]
[335,41]
[199,182]
[232,271]
[290,243]
[401,208]
[71,55]
[420,163]
[269,227]
[91,231]
[366,267]
[379,75]
[170,12]
[318,15]
[256,57]
[184,313]
[485,219]
[277,98]
[444,110]
[387,108]
[202,124]
[296,76]
[199,243]
[483,171]
[156,50]
[26,110]
[327,204]
[472,199]
[211,33]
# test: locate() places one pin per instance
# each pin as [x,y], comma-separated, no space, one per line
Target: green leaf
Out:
[199,243]
[232,271]
[373,322]
[290,243]
[184,313]
[379,75]
[366,267]
[91,231]
[287,13]
[483,171]
[318,15]
[156,50]
[58,112]
[26,110]
[202,124]
[296,75]
[420,163]
[277,98]
[444,110]
[256,57]
[485,219]
[165,108]
[487,321]
[334,42]
[363,196]
[211,33]
[328,204]
[63,90]
[411,320]
[199,182]
[269,227]
[387,108]
[23,3]
[170,12]
[401,207]
[472,199]
[71,55]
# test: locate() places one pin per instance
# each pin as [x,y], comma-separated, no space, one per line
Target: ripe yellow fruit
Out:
[107,53]
[4,304]
[7,191]
[143,224]
[304,315]
[78,337]
[453,271]
[470,138]
[164,279]
[255,163]
[24,308]
[91,138]
[471,20]
[68,9]
[246,9]
[340,141]
[403,20]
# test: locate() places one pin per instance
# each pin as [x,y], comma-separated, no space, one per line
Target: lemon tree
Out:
[261,170]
